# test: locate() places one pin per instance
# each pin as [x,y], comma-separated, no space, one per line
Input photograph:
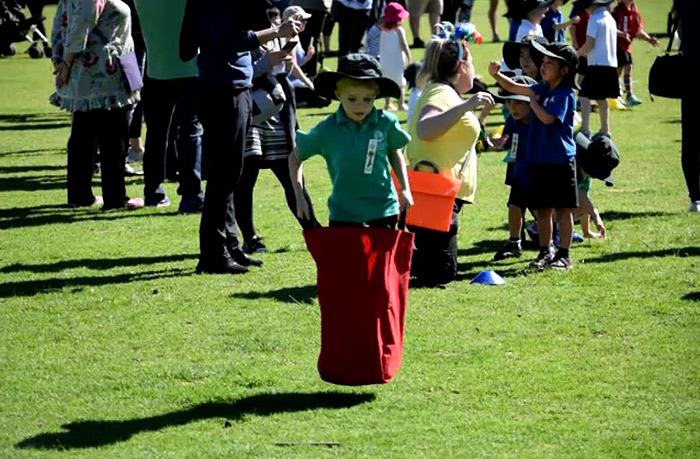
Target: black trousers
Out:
[351,28]
[435,254]
[243,197]
[108,130]
[226,116]
[690,151]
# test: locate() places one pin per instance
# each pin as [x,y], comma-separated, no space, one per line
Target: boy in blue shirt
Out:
[358,143]
[551,150]
[516,131]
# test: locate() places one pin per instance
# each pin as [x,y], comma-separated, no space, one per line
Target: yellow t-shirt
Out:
[449,150]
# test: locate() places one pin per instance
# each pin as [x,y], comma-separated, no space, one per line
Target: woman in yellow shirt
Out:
[444,132]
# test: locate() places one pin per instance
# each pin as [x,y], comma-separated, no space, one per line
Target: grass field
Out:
[111,346]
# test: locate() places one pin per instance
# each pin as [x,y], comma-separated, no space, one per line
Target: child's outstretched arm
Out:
[507,83]
[587,208]
[567,24]
[541,112]
[587,46]
[296,173]
[398,164]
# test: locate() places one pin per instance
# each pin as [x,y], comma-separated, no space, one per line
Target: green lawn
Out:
[113,347]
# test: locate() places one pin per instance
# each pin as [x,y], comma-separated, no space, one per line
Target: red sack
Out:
[363,276]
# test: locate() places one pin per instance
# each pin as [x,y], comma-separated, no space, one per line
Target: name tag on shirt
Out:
[371,155]
[514,146]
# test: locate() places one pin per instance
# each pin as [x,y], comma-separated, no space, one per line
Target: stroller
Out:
[15,27]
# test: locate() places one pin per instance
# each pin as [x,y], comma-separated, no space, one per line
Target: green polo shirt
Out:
[357,160]
[161,22]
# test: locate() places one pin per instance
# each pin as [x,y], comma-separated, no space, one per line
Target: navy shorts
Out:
[518,192]
[623,58]
[553,186]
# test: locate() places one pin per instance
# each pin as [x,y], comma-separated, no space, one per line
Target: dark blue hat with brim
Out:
[511,51]
[597,156]
[357,66]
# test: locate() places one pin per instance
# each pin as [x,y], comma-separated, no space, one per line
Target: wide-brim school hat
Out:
[511,51]
[597,156]
[564,53]
[357,66]
[519,9]
[502,96]
[394,12]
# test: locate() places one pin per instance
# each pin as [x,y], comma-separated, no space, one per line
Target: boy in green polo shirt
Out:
[358,143]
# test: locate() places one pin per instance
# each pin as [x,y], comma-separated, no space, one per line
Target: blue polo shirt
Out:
[550,18]
[553,143]
[357,159]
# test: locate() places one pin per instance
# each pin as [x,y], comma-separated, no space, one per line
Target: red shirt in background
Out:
[581,27]
[629,20]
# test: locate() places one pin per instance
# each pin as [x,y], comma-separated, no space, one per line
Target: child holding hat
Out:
[358,143]
[551,150]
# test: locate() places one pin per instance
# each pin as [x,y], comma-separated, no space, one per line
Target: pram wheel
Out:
[8,50]
[35,52]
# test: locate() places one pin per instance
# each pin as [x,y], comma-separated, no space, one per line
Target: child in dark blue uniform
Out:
[517,176]
[551,150]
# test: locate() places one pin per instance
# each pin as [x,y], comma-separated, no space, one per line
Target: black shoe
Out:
[542,261]
[240,257]
[509,250]
[418,43]
[220,265]
[561,263]
[255,245]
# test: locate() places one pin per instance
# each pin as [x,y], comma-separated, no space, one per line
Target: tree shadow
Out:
[99,264]
[305,294]
[33,183]
[481,247]
[36,126]
[692,296]
[610,215]
[674,252]
[30,152]
[32,117]
[77,284]
[25,217]
[24,169]
[98,433]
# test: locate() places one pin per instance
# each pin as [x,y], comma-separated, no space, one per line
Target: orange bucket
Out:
[433,199]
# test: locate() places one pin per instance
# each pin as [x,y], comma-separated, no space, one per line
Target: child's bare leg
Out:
[604,110]
[515,221]
[565,218]
[388,105]
[585,114]
[544,226]
[402,99]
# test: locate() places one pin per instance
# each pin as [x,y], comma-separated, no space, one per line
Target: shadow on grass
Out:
[100,264]
[35,126]
[33,183]
[57,214]
[692,296]
[30,152]
[77,284]
[621,215]
[98,433]
[24,169]
[675,252]
[304,294]
[481,247]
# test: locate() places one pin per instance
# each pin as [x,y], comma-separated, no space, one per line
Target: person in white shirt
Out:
[532,14]
[601,81]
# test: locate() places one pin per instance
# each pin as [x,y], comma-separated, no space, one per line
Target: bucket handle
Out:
[427,163]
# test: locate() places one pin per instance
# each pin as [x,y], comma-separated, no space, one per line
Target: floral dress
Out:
[99,31]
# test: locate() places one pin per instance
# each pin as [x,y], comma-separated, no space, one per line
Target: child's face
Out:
[552,71]
[275,19]
[557,4]
[357,101]
[537,16]
[519,110]
[527,64]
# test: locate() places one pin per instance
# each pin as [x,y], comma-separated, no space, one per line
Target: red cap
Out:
[394,12]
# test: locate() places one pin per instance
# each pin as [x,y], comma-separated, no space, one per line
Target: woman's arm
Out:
[434,122]
[398,164]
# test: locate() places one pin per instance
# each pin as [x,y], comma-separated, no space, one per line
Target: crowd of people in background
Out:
[223,81]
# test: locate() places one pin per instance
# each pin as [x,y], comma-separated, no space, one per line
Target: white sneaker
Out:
[694,206]
[134,156]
